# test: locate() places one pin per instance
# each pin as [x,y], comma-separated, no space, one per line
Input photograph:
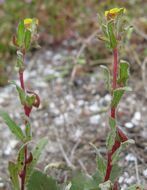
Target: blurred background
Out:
[65,72]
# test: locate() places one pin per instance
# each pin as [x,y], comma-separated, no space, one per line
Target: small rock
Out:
[81,102]
[136,118]
[130,180]
[94,107]
[95,119]
[129,125]
[130,157]
[59,120]
[145,173]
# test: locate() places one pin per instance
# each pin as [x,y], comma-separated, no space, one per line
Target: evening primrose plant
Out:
[22,169]
[23,173]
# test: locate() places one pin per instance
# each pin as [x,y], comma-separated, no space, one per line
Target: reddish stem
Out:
[21,78]
[122,136]
[27,113]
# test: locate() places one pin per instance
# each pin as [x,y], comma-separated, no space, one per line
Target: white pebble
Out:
[129,125]
[94,107]
[95,119]
[145,173]
[130,157]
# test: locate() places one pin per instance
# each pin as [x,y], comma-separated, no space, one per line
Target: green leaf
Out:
[78,182]
[113,41]
[12,167]
[117,95]
[36,154]
[101,162]
[20,159]
[101,165]
[116,155]
[15,129]
[20,92]
[98,178]
[107,77]
[30,100]
[40,181]
[20,33]
[27,39]
[28,131]
[123,73]
[110,139]
[115,173]
[112,123]
[136,187]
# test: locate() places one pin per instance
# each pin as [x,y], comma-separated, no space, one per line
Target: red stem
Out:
[21,78]
[23,172]
[122,136]
[113,115]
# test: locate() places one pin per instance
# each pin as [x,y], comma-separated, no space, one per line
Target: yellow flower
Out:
[28,22]
[112,13]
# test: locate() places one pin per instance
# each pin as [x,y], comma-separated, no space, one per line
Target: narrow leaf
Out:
[20,33]
[15,129]
[107,77]
[20,159]
[112,123]
[36,154]
[110,139]
[20,92]
[117,95]
[123,73]
[40,181]
[115,173]
[27,39]
[101,165]
[28,131]
[113,41]
[14,175]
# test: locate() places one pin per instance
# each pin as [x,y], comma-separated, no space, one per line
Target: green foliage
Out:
[115,173]
[21,93]
[28,131]
[36,154]
[111,139]
[12,167]
[116,155]
[123,73]
[101,165]
[15,129]
[117,95]
[20,159]
[112,123]
[27,39]
[112,134]
[20,33]
[40,181]
[82,182]
[107,77]
[112,38]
